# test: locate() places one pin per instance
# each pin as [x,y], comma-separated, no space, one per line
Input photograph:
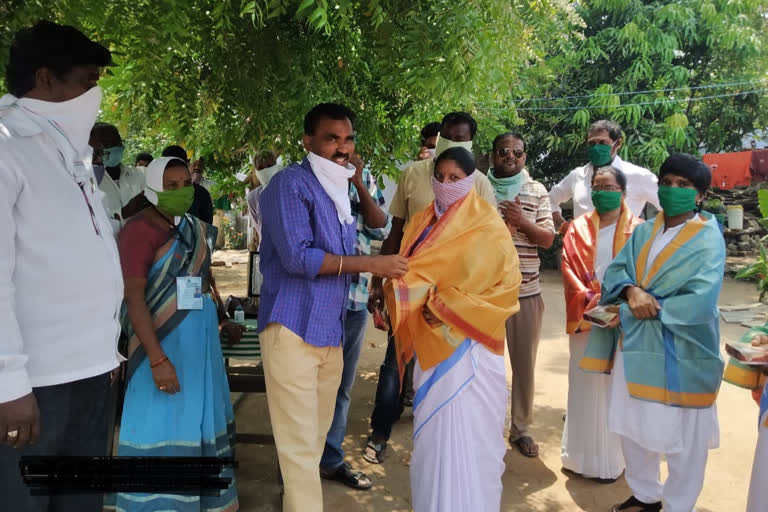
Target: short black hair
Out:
[176,152]
[513,135]
[455,118]
[430,130]
[606,125]
[621,178]
[107,128]
[689,167]
[461,156]
[144,156]
[333,111]
[59,48]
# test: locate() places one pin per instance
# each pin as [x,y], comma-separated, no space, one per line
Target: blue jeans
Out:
[389,399]
[354,334]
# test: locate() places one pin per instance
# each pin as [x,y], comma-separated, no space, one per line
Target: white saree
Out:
[458,441]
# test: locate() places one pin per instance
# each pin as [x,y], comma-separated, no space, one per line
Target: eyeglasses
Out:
[607,188]
[504,152]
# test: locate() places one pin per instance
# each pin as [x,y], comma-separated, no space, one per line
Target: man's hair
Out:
[508,135]
[59,48]
[261,155]
[144,156]
[621,178]
[430,130]
[464,158]
[455,118]
[177,152]
[322,111]
[606,125]
[107,128]
[690,167]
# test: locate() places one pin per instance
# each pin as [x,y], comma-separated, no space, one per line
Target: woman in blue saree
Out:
[665,357]
[177,399]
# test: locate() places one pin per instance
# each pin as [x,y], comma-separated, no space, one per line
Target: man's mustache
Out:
[340,155]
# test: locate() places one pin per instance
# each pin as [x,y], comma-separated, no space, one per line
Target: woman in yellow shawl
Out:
[589,246]
[449,311]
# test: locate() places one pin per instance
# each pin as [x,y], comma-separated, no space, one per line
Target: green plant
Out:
[714,206]
[759,269]
[233,239]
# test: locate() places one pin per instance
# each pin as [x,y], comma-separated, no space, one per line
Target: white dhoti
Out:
[588,447]
[758,488]
[458,440]
[649,430]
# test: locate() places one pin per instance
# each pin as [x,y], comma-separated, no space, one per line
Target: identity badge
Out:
[189,292]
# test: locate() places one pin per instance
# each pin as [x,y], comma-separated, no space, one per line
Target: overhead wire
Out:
[632,93]
[626,105]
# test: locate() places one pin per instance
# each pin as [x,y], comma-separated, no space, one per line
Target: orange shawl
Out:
[466,269]
[582,290]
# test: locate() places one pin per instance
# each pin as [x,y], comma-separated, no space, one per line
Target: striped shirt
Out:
[534,200]
[358,290]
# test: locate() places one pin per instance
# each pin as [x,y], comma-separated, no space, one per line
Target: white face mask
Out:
[443,144]
[334,180]
[265,175]
[74,117]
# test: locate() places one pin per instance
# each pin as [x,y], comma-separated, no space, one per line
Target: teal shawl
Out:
[673,359]
[189,255]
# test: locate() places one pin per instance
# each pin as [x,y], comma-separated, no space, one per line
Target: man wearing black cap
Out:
[61,286]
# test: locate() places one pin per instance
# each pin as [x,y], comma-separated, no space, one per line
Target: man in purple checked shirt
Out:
[307,260]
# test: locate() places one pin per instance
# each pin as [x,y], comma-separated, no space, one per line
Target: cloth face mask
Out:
[506,189]
[677,200]
[443,144]
[606,200]
[446,194]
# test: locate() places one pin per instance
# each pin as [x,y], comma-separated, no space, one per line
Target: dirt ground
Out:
[529,484]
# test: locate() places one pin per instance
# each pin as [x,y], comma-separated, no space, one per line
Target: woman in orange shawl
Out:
[449,312]
[589,246]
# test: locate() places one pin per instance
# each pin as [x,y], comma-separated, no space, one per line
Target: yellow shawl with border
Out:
[468,273]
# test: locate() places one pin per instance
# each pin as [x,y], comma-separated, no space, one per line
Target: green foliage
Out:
[762,201]
[224,78]
[232,238]
[630,50]
[759,269]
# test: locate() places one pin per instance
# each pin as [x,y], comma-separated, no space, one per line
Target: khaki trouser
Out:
[302,381]
[523,331]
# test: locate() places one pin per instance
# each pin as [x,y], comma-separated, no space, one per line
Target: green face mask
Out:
[176,202]
[677,200]
[599,154]
[113,156]
[606,200]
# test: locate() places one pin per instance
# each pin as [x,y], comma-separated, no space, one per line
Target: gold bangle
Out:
[341,264]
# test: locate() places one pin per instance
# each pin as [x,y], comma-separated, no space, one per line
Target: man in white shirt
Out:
[60,281]
[122,185]
[604,140]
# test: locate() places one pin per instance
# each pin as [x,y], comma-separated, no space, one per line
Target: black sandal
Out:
[374,452]
[349,477]
[635,505]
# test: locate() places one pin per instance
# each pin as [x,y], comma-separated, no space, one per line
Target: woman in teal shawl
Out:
[177,399]
[665,357]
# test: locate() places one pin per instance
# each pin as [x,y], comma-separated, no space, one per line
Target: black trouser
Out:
[74,420]
[389,398]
